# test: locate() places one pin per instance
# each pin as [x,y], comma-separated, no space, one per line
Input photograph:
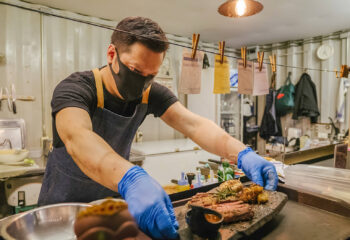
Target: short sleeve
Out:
[160,99]
[77,90]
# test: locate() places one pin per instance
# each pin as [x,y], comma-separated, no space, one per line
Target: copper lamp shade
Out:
[228,8]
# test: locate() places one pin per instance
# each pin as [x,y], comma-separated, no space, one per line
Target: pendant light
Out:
[240,8]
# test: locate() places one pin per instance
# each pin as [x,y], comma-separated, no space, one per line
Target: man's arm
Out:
[215,140]
[204,132]
[88,150]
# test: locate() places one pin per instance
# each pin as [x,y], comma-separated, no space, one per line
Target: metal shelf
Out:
[231,113]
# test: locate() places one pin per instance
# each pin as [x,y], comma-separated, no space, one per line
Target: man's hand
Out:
[258,169]
[149,204]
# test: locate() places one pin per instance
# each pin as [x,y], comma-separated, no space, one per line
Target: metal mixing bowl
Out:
[52,222]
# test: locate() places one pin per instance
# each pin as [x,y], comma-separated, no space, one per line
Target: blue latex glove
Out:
[149,204]
[258,169]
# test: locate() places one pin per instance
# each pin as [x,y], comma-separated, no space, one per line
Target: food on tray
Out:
[250,194]
[232,200]
[234,211]
[231,185]
[203,200]
[263,197]
[108,220]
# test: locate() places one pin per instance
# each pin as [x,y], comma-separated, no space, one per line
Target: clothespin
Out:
[273,62]
[244,56]
[222,51]
[195,39]
[336,73]
[344,71]
[260,60]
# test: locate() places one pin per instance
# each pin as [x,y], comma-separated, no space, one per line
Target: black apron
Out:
[63,179]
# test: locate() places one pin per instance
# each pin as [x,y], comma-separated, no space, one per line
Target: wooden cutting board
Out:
[263,213]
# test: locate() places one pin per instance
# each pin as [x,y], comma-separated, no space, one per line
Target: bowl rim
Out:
[3,229]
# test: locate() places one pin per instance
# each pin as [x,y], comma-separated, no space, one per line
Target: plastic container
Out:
[327,181]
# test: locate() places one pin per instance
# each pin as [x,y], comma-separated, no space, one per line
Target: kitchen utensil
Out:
[9,100]
[52,222]
[13,94]
[203,221]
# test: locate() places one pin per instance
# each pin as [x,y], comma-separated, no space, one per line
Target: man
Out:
[96,115]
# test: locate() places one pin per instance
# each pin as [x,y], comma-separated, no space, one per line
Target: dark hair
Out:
[141,27]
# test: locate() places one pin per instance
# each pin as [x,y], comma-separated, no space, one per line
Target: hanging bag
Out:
[285,98]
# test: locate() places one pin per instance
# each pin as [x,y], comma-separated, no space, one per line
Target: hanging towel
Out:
[191,73]
[251,80]
[221,76]
[340,117]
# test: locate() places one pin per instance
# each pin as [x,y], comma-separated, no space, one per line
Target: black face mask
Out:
[129,83]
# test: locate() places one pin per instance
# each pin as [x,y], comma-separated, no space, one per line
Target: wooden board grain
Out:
[262,214]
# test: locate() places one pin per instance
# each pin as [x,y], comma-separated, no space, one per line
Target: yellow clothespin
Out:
[273,62]
[336,73]
[222,51]
[260,60]
[244,56]
[195,40]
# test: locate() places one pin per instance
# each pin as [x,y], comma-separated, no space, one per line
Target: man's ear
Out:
[110,53]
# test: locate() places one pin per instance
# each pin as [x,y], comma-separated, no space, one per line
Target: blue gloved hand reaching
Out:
[258,169]
[149,204]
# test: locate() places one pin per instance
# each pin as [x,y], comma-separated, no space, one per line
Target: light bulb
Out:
[240,8]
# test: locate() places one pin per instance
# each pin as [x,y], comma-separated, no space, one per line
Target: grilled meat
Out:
[203,200]
[234,211]
[231,211]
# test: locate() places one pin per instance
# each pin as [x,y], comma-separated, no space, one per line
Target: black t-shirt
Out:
[79,90]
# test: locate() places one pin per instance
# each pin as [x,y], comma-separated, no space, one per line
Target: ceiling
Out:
[280,20]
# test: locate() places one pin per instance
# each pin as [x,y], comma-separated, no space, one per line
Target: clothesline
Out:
[138,35]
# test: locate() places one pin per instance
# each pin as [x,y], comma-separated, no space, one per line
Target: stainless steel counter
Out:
[297,221]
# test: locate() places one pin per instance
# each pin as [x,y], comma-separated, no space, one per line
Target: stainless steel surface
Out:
[49,222]
[13,129]
[297,221]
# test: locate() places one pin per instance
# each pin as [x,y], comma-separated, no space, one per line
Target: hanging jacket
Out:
[270,123]
[306,99]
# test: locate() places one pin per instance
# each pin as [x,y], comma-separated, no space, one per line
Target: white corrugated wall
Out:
[20,47]
[41,50]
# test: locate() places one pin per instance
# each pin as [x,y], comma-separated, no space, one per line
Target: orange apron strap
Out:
[146,95]
[99,88]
